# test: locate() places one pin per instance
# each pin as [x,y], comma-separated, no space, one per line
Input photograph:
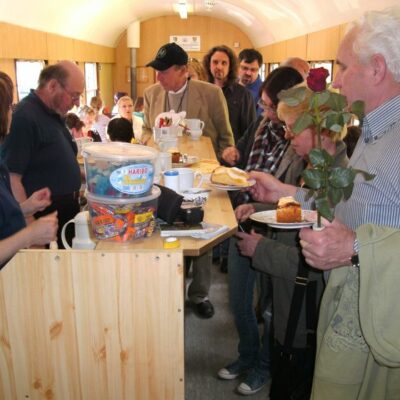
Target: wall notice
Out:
[188,43]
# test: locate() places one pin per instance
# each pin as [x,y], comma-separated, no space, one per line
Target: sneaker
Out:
[232,371]
[254,382]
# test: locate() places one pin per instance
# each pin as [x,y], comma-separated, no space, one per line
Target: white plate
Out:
[229,187]
[189,161]
[269,218]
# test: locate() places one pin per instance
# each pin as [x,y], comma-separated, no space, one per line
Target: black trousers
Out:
[67,206]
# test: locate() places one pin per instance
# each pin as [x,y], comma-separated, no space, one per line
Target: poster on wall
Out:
[188,43]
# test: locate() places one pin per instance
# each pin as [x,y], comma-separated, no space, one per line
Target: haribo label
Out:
[133,179]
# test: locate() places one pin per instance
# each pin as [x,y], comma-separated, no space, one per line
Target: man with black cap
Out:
[202,100]
[174,91]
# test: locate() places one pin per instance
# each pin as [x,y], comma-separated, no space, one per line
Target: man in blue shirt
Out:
[250,63]
[39,150]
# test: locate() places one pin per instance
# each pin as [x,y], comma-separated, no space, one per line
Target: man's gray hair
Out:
[378,33]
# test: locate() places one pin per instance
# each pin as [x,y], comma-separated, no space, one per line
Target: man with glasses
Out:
[250,63]
[39,150]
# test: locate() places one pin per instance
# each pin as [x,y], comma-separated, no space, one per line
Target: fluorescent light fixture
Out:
[182,9]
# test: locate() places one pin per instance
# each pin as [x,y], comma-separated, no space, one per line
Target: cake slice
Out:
[288,210]
[230,176]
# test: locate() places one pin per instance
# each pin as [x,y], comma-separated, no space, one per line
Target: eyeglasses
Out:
[74,96]
[261,103]
[252,70]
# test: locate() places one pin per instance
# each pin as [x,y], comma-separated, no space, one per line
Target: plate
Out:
[269,218]
[229,187]
[189,160]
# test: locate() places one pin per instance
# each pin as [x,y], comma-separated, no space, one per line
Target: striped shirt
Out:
[378,152]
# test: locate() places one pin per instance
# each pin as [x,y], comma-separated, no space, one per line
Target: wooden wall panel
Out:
[323,45]
[23,43]
[59,48]
[106,88]
[274,53]
[87,325]
[297,47]
[156,31]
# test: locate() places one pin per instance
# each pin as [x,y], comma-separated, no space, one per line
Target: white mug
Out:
[187,177]
[171,179]
[194,124]
[195,134]
[82,239]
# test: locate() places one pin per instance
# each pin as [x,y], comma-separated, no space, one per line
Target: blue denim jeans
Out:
[242,280]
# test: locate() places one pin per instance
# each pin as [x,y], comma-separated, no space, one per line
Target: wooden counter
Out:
[106,324]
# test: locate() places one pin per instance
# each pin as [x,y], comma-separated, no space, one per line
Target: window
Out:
[90,80]
[325,64]
[262,71]
[273,66]
[27,76]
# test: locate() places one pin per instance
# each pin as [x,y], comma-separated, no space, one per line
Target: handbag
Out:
[293,368]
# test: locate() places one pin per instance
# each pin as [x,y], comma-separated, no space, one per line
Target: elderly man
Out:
[358,355]
[200,100]
[220,65]
[39,151]
[250,63]
[175,92]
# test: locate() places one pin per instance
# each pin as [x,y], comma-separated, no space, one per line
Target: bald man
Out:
[39,151]
[298,64]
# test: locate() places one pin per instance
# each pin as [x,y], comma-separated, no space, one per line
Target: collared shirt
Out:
[376,201]
[254,89]
[39,147]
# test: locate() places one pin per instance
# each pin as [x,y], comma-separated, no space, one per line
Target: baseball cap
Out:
[168,55]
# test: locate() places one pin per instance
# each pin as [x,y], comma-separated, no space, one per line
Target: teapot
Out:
[82,239]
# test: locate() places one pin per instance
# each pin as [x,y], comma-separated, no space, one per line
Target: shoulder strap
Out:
[302,286]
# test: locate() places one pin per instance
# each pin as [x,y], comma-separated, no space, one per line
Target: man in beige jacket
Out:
[174,91]
[202,100]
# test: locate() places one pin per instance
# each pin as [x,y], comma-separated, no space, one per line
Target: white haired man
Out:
[358,354]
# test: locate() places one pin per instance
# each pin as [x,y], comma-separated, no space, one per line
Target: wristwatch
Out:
[355,262]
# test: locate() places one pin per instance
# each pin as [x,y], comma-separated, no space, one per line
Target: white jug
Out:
[82,239]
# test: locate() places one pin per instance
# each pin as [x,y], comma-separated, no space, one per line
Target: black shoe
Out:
[204,309]
[224,265]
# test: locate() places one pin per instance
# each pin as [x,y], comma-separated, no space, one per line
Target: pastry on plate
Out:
[230,176]
[288,210]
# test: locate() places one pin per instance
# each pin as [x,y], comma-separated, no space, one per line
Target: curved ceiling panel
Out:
[264,21]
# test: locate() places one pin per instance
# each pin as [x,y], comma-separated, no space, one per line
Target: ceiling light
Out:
[182,9]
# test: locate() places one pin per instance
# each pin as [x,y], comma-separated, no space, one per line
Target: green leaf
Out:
[321,98]
[357,108]
[320,158]
[313,178]
[293,97]
[341,177]
[336,102]
[347,191]
[335,195]
[322,205]
[304,121]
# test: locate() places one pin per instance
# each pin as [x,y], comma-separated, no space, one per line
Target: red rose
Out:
[316,79]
